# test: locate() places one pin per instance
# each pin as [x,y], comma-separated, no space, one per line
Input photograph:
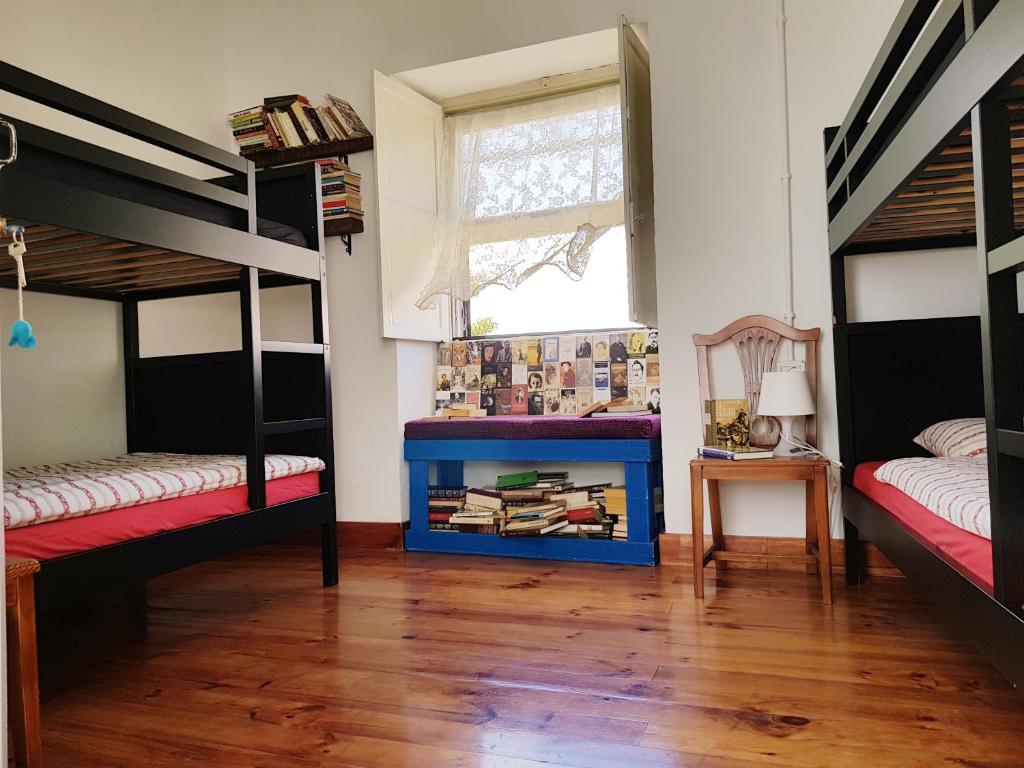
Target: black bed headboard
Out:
[902,376]
[196,403]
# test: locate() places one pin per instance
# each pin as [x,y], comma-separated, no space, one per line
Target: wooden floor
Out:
[433,660]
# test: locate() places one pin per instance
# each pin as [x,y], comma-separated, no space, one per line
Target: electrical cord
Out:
[834,482]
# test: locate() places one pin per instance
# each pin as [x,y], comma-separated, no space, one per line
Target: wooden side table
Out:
[813,472]
[22,663]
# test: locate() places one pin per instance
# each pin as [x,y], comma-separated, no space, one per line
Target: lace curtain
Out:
[525,187]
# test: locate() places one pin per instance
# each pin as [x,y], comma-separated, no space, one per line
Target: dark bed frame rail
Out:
[268,396]
[965,51]
[30,191]
[893,378]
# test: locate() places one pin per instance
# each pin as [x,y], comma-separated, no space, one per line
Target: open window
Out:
[540,217]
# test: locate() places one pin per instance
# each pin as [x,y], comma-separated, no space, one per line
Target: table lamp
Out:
[785,395]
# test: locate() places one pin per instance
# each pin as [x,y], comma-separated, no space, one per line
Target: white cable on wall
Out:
[785,175]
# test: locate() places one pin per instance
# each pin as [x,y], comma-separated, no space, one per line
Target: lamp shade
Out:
[785,393]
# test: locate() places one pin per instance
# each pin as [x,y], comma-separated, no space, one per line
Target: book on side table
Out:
[737,453]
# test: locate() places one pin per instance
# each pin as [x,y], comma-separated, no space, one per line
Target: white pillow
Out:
[956,437]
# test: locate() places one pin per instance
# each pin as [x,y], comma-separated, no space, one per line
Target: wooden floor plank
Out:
[436,660]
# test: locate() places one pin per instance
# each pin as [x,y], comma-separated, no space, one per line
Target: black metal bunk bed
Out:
[929,156]
[104,225]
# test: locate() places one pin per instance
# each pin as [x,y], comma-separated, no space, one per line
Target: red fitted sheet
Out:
[47,541]
[967,552]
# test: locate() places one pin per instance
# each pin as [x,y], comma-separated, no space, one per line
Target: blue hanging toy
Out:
[21,331]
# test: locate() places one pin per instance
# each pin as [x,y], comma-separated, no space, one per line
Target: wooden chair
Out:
[22,665]
[757,339]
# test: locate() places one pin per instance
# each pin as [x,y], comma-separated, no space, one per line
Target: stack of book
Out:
[340,189]
[615,508]
[292,121]
[252,130]
[443,501]
[533,503]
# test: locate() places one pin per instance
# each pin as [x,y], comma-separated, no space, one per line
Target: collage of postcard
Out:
[550,375]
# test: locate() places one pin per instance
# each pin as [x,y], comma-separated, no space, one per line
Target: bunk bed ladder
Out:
[1001,257]
[328,531]
[252,350]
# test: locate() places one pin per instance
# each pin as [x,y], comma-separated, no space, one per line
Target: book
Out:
[573,498]
[553,527]
[346,116]
[727,422]
[736,453]
[483,497]
[446,491]
[516,480]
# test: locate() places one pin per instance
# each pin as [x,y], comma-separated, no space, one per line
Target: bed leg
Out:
[138,609]
[329,551]
[853,554]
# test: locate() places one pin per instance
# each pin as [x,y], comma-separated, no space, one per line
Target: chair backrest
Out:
[756,338]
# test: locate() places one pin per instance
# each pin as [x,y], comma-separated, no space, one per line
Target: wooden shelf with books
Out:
[346,226]
[273,157]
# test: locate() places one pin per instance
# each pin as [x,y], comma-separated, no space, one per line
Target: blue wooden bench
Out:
[632,441]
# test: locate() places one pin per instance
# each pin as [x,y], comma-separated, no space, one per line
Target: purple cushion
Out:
[536,428]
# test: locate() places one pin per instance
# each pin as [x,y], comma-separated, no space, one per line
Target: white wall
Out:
[64,399]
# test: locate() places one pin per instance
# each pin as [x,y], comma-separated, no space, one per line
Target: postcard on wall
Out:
[567,404]
[652,341]
[504,401]
[653,369]
[566,348]
[550,349]
[488,382]
[519,351]
[535,404]
[444,354]
[472,353]
[567,374]
[584,347]
[584,372]
[489,354]
[504,354]
[637,344]
[551,402]
[518,373]
[601,376]
[459,397]
[601,348]
[458,379]
[637,374]
[459,354]
[519,400]
[444,378]
[620,377]
[487,402]
[534,352]
[535,379]
[504,378]
[638,395]
[603,393]
[472,378]
[473,398]
[441,402]
[584,398]
[654,399]
[551,375]
[617,350]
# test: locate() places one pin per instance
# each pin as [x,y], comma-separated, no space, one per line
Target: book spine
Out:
[717,453]
[303,121]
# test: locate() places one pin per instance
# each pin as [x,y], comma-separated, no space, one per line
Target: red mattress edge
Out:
[48,541]
[967,552]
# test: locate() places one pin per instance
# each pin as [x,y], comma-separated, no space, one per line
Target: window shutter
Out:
[408,148]
[638,175]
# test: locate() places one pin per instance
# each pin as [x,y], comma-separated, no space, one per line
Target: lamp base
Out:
[786,448]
